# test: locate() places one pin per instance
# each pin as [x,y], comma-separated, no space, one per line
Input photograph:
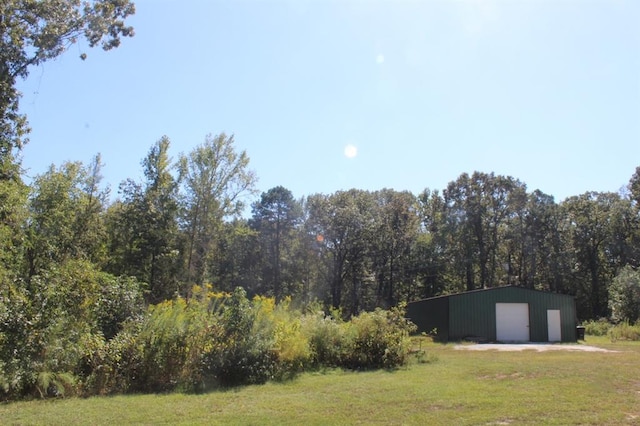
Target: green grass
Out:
[456,387]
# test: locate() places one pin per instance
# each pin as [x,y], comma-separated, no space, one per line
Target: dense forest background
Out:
[183,225]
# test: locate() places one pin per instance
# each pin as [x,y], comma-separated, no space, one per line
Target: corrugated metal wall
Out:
[474,313]
[430,314]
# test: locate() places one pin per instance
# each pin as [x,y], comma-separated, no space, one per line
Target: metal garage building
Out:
[502,314]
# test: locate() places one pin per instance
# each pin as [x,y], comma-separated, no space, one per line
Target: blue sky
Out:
[545,91]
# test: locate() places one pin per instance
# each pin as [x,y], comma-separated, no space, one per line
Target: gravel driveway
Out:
[540,347]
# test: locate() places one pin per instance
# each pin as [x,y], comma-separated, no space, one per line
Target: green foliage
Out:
[51,326]
[246,356]
[66,216]
[113,366]
[597,328]
[596,231]
[326,339]
[378,339]
[19,344]
[143,227]
[214,178]
[464,388]
[624,331]
[54,384]
[624,296]
[165,341]
[35,31]
[13,217]
[290,346]
[221,340]
[275,218]
[120,299]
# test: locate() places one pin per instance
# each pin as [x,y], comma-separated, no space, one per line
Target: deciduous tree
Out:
[144,226]
[66,216]
[624,296]
[214,179]
[34,31]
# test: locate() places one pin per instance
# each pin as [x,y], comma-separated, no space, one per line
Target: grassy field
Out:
[454,387]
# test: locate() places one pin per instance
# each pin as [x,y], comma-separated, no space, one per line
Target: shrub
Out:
[325,336]
[18,343]
[625,331]
[597,328]
[245,355]
[52,344]
[290,344]
[120,299]
[115,366]
[378,339]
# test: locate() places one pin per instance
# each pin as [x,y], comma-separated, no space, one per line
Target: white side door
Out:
[512,322]
[553,325]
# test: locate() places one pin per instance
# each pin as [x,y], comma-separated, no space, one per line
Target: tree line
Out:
[352,249]
[182,225]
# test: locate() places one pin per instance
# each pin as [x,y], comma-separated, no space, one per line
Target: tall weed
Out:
[600,327]
[625,331]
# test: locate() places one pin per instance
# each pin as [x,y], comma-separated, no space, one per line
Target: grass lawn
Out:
[457,387]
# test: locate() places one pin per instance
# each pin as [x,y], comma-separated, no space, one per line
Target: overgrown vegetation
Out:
[624,331]
[209,341]
[597,328]
[621,331]
[462,388]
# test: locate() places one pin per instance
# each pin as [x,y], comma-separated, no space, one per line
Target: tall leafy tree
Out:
[542,259]
[344,224]
[592,236]
[624,296]
[276,216]
[214,178]
[634,197]
[34,31]
[431,261]
[477,206]
[145,240]
[66,216]
[396,232]
[634,187]
[239,262]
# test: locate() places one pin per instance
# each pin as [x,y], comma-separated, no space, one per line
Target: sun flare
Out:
[350,151]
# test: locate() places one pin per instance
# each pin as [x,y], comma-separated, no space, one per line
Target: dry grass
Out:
[455,387]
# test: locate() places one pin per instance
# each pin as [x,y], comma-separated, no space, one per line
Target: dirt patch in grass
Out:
[539,347]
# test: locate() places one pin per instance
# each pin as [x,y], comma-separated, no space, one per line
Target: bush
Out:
[625,331]
[290,345]
[52,326]
[597,328]
[326,339]
[378,339]
[53,344]
[114,366]
[120,299]
[245,355]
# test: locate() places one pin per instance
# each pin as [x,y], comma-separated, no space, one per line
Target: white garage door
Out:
[512,322]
